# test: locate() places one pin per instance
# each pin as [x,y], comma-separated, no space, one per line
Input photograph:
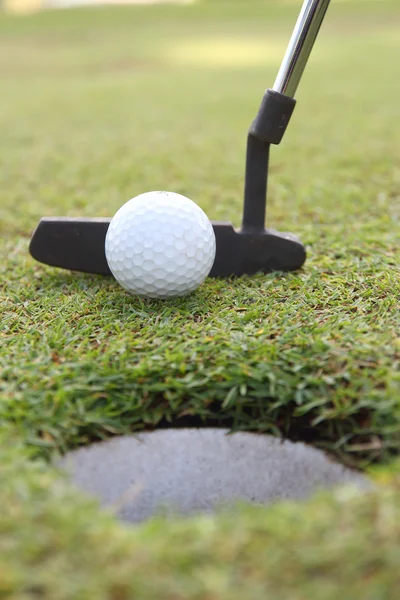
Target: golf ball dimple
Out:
[159,245]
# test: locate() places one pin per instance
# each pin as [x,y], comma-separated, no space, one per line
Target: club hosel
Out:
[273,117]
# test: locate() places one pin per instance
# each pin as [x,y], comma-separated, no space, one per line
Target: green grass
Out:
[54,545]
[100,105]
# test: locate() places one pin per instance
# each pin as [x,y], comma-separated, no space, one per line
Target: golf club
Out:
[78,244]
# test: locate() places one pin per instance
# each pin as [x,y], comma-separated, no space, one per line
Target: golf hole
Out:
[181,472]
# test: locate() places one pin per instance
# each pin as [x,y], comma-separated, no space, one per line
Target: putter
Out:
[78,244]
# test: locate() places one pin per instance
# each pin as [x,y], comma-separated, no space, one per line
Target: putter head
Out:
[79,245]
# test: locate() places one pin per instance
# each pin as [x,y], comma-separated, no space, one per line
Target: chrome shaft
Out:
[300,46]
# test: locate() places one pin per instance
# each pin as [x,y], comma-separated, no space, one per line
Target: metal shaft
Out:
[300,46]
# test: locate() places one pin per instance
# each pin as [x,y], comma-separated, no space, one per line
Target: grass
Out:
[100,105]
[56,545]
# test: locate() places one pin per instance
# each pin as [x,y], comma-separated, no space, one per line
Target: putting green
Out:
[99,105]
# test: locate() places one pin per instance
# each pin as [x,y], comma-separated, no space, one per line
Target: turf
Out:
[54,545]
[97,107]
[100,105]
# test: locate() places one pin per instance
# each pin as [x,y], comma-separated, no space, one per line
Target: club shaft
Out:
[301,43]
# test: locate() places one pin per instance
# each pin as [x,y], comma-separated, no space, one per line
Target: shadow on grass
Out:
[107,293]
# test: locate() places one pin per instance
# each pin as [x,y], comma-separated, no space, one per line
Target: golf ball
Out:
[160,244]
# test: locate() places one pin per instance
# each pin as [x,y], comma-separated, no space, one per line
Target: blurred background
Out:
[102,102]
[27,6]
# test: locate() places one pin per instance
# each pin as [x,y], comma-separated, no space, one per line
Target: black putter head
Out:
[78,244]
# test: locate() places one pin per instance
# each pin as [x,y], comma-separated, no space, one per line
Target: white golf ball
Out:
[160,244]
